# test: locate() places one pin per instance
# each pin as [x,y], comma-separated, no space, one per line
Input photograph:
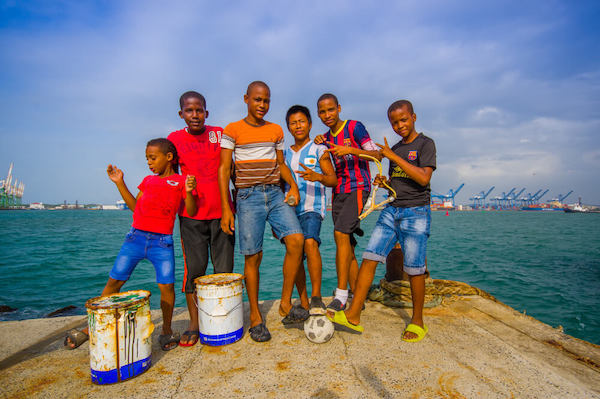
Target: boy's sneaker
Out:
[317,307]
[336,305]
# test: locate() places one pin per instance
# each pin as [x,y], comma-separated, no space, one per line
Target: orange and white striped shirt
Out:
[254,151]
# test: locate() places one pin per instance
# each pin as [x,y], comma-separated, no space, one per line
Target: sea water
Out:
[544,263]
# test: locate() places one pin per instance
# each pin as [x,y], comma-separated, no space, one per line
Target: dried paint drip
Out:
[120,336]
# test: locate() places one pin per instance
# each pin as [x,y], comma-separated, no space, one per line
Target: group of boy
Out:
[251,153]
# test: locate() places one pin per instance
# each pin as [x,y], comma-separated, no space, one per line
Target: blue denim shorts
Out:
[408,226]
[310,222]
[138,245]
[255,206]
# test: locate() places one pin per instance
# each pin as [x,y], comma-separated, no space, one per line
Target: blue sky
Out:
[510,91]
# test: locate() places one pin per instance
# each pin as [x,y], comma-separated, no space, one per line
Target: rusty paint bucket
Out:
[220,309]
[120,330]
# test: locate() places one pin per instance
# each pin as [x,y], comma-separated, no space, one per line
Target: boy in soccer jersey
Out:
[406,220]
[257,146]
[313,172]
[346,139]
[199,149]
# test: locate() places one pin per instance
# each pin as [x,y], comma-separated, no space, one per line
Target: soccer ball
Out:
[318,329]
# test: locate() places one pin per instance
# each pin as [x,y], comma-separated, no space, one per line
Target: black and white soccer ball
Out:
[318,329]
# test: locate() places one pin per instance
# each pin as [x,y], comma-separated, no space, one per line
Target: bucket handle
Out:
[220,310]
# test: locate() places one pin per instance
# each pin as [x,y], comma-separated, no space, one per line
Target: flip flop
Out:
[75,337]
[339,317]
[190,334]
[260,333]
[166,339]
[415,329]
[297,314]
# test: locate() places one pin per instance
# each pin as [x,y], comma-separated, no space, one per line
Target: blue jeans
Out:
[408,226]
[255,206]
[140,244]
[310,222]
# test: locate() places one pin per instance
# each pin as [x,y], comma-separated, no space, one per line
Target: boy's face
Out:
[329,112]
[299,126]
[403,122]
[258,100]
[194,114]
[157,160]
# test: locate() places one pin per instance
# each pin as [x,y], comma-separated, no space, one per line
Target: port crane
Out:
[501,201]
[479,199]
[447,200]
[561,197]
[530,198]
[512,200]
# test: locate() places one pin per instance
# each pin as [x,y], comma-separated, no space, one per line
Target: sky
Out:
[509,90]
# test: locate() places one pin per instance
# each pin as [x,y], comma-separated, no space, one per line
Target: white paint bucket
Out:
[120,330]
[220,309]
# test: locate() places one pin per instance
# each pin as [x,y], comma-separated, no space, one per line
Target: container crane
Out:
[479,199]
[447,200]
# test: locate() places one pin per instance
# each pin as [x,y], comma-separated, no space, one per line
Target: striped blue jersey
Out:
[312,193]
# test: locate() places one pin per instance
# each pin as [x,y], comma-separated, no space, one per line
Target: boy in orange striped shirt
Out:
[257,146]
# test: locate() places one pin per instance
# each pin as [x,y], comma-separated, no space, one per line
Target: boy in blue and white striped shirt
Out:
[312,170]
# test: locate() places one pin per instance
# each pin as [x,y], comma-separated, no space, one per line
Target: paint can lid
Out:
[120,300]
[219,279]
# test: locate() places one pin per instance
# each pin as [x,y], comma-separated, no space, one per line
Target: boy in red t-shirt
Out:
[199,149]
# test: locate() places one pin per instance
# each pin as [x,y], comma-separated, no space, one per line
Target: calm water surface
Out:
[547,263]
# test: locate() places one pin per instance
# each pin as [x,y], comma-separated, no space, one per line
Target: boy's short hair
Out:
[294,109]
[399,105]
[191,94]
[328,96]
[165,146]
[257,83]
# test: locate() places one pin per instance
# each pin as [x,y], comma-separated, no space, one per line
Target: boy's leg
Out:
[314,264]
[366,273]
[301,286]
[167,303]
[251,209]
[112,286]
[284,222]
[414,227]
[343,258]
[251,266]
[195,236]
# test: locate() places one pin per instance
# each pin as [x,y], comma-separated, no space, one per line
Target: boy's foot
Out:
[317,307]
[351,298]
[75,338]
[260,333]
[297,314]
[168,341]
[189,338]
[414,333]
[340,318]
[336,305]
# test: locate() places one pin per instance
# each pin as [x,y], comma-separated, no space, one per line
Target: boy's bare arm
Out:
[327,178]
[340,151]
[116,176]
[191,206]
[286,175]
[418,174]
[227,218]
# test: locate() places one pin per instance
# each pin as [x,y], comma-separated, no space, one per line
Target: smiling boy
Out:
[257,146]
[406,220]
[313,172]
[199,149]
[346,139]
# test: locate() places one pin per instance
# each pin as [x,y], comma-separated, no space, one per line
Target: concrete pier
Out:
[476,348]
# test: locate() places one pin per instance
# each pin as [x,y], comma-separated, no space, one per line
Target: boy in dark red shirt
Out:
[199,149]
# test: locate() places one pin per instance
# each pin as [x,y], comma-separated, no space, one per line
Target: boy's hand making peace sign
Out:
[386,151]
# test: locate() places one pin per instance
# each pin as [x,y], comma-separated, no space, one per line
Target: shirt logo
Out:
[310,161]
[212,137]
[347,142]
[172,183]
[412,155]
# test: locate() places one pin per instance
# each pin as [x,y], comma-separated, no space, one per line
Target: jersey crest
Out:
[412,155]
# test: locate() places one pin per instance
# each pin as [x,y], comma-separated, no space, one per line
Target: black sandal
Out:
[260,333]
[166,339]
[296,315]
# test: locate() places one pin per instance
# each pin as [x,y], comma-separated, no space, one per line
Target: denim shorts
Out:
[140,244]
[255,206]
[310,222]
[407,226]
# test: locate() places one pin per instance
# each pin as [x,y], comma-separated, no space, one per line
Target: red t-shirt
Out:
[199,155]
[156,209]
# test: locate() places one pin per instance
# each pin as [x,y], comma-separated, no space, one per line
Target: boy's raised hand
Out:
[385,151]
[115,174]
[320,139]
[339,150]
[308,174]
[190,183]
